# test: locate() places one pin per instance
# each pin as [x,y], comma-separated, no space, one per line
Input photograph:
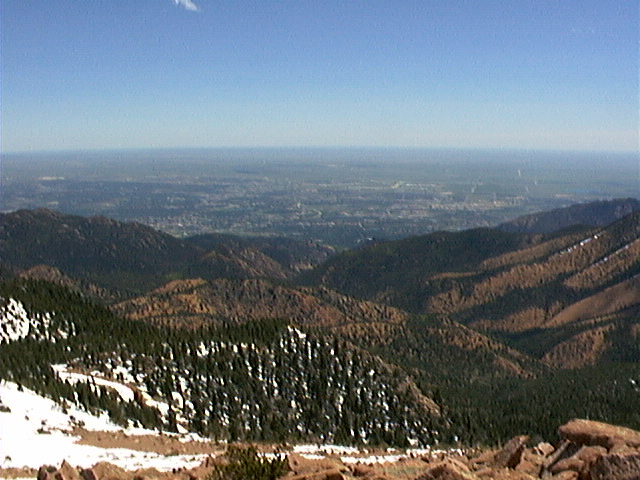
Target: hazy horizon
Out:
[531,75]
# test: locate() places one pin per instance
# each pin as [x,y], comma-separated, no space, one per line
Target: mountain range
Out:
[471,336]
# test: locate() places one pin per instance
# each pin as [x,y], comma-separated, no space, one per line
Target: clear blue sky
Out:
[93,74]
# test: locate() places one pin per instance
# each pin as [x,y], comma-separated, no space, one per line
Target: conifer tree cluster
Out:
[262,381]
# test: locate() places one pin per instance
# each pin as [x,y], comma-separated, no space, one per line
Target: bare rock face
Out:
[446,471]
[301,465]
[47,472]
[323,469]
[595,451]
[566,475]
[615,467]
[65,472]
[332,474]
[362,471]
[589,451]
[511,454]
[544,449]
[108,471]
[589,432]
[88,474]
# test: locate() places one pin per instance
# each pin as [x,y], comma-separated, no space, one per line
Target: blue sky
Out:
[532,74]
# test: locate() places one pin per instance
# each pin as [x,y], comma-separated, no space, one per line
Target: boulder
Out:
[88,474]
[65,472]
[511,454]
[301,465]
[571,463]
[508,474]
[484,457]
[108,471]
[47,472]
[69,472]
[530,465]
[332,474]
[615,467]
[362,470]
[566,475]
[544,449]
[147,474]
[566,450]
[445,471]
[580,460]
[589,432]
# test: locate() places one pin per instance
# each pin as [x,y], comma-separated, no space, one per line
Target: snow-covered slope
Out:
[17,323]
[35,431]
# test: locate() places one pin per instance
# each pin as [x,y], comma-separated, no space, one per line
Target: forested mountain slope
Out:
[512,285]
[475,336]
[130,258]
[247,382]
[594,214]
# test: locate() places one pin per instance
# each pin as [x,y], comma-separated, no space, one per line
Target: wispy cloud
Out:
[188,4]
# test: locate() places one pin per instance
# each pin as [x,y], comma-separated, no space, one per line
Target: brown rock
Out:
[69,472]
[88,474]
[566,475]
[511,454]
[458,463]
[532,461]
[108,471]
[46,472]
[572,463]
[301,465]
[147,474]
[577,462]
[565,450]
[588,453]
[65,472]
[332,474]
[484,457]
[486,472]
[199,472]
[589,432]
[362,470]
[508,474]
[529,467]
[615,467]
[445,471]
[622,449]
[543,448]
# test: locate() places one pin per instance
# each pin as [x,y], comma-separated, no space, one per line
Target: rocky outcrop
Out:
[589,432]
[588,450]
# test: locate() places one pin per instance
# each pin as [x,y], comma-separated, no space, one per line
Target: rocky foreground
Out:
[588,450]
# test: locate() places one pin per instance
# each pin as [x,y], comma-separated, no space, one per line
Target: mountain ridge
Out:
[130,258]
[594,214]
[488,325]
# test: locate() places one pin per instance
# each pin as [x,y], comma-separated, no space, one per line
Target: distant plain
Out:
[341,197]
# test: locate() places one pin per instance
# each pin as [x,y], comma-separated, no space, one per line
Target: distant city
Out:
[342,197]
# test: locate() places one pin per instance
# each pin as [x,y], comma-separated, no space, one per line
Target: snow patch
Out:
[36,431]
[64,374]
[16,323]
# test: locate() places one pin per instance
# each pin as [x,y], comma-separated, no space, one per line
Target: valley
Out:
[338,197]
[450,339]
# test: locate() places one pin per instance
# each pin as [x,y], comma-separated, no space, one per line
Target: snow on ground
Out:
[72,377]
[351,455]
[15,322]
[125,392]
[35,431]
